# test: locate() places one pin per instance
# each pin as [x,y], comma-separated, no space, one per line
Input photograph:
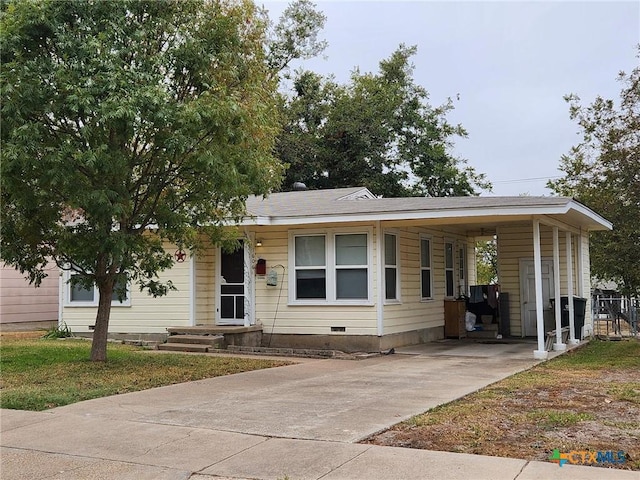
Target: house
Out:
[343,269]
[25,307]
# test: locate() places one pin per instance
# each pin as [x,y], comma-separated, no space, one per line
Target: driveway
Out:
[334,400]
[300,421]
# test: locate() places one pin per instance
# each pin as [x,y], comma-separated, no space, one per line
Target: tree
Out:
[295,36]
[126,124]
[603,172]
[487,261]
[378,131]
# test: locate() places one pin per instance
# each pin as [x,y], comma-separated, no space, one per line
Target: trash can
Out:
[579,310]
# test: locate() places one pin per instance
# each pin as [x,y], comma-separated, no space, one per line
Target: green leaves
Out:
[603,172]
[121,116]
[378,131]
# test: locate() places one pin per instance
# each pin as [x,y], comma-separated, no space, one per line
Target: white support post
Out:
[379,279]
[572,328]
[192,289]
[540,353]
[558,345]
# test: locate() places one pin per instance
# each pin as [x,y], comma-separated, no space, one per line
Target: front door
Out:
[528,283]
[232,291]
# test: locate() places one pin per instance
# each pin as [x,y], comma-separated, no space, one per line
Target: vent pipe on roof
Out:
[299,187]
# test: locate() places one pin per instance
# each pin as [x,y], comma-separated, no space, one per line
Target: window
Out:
[448,269]
[352,280]
[425,268]
[330,267]
[391,266]
[462,269]
[310,265]
[80,296]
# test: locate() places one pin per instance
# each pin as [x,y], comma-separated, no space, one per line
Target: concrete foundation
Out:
[353,343]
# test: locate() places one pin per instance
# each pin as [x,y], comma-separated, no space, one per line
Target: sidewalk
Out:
[297,422]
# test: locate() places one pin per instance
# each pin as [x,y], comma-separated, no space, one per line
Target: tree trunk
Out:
[99,344]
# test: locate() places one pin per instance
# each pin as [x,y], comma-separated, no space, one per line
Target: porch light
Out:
[258,243]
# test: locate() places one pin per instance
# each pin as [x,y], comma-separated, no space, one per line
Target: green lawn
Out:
[37,374]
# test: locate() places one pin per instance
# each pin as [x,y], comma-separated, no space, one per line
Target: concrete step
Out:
[184,347]
[213,340]
[488,326]
[482,334]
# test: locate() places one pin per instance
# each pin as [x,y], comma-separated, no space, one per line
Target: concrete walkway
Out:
[297,422]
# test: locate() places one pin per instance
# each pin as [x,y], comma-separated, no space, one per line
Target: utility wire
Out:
[523,180]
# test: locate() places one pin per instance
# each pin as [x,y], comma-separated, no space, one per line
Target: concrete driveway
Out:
[300,421]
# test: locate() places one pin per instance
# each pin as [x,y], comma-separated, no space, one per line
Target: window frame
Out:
[94,303]
[451,269]
[331,268]
[429,268]
[398,291]
[296,268]
[463,287]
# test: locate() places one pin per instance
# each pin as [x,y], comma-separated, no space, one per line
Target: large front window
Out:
[80,296]
[311,267]
[330,267]
[351,267]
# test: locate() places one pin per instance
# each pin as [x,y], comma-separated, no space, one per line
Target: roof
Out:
[359,204]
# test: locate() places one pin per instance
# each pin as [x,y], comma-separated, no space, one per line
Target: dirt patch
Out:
[530,415]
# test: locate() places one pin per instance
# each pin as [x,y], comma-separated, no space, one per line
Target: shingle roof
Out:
[331,205]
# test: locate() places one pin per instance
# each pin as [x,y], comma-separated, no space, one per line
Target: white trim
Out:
[540,353]
[463,281]
[218,282]
[428,238]
[379,282]
[61,292]
[362,194]
[451,242]
[330,266]
[487,212]
[192,289]
[383,253]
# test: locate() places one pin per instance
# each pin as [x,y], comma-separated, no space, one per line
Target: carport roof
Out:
[357,204]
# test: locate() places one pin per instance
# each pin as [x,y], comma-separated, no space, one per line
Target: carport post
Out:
[558,346]
[572,328]
[540,353]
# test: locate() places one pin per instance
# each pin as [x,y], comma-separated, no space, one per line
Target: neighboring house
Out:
[25,307]
[343,269]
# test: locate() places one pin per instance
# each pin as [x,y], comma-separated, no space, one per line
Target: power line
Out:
[523,180]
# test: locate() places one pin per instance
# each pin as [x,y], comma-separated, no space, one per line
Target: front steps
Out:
[192,343]
[211,338]
[487,331]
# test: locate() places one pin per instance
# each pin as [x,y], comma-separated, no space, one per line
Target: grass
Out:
[586,399]
[38,374]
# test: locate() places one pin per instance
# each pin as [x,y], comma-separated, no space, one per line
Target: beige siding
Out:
[21,302]
[146,314]
[412,313]
[272,302]
[515,242]
[472,270]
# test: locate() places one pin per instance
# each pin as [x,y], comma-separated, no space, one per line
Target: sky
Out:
[506,64]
